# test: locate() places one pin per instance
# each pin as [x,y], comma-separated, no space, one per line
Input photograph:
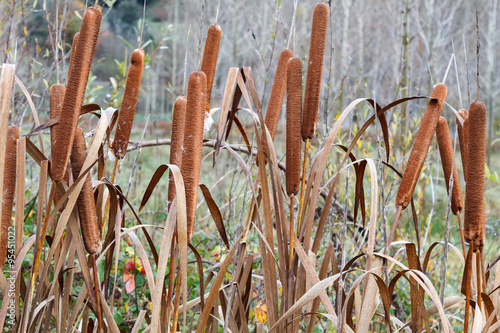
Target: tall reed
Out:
[128,105]
[293,123]
[463,136]
[193,143]
[9,189]
[210,55]
[176,142]
[75,90]
[474,217]
[314,70]
[86,203]
[446,152]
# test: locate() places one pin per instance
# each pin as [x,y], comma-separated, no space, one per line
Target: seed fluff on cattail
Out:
[176,141]
[9,189]
[86,203]
[75,90]
[129,104]
[193,143]
[293,123]
[446,152]
[210,54]
[463,136]
[314,70]
[474,217]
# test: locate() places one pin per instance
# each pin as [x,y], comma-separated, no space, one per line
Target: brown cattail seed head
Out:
[9,189]
[75,90]
[463,135]
[277,96]
[421,145]
[74,47]
[314,70]
[210,54]
[293,122]
[129,103]
[176,141]
[56,101]
[474,217]
[446,152]
[86,203]
[193,143]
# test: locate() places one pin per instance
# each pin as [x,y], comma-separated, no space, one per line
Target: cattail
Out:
[421,145]
[86,204]
[56,100]
[9,189]
[129,103]
[314,70]
[277,96]
[193,143]
[463,137]
[446,152]
[210,54]
[293,122]
[75,90]
[74,47]
[474,223]
[176,141]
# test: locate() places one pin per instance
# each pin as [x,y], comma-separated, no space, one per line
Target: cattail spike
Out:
[210,54]
[277,96]
[129,103]
[72,58]
[75,90]
[176,141]
[9,189]
[86,203]
[446,152]
[474,217]
[421,145]
[314,70]
[293,123]
[463,136]
[193,143]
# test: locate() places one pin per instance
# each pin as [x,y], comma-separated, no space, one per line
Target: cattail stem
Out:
[394,225]
[468,268]
[462,240]
[291,235]
[302,186]
[97,294]
[108,200]
[478,279]
[463,136]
